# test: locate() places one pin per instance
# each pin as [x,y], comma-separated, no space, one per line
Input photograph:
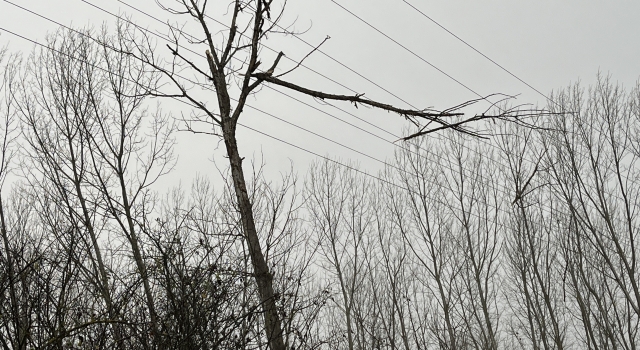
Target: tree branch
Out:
[432,116]
[304,58]
[426,114]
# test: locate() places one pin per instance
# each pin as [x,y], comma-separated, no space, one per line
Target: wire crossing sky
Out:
[542,46]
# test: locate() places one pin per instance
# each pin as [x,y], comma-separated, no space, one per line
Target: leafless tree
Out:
[14,322]
[476,204]
[339,206]
[454,245]
[449,216]
[535,264]
[415,258]
[225,73]
[57,116]
[92,162]
[593,162]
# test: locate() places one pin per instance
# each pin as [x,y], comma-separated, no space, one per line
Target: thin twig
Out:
[305,57]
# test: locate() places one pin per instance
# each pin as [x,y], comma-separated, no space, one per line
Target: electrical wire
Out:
[478,51]
[335,142]
[199,54]
[427,62]
[410,191]
[191,37]
[224,25]
[410,51]
[271,114]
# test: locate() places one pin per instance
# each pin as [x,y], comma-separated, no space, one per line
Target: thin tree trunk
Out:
[142,267]
[263,276]
[20,324]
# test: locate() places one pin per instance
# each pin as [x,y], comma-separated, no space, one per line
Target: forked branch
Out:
[430,115]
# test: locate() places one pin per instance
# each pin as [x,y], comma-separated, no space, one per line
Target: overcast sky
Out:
[548,44]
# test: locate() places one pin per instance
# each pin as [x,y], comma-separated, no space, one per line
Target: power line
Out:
[275,51]
[439,136]
[269,114]
[476,50]
[430,64]
[335,142]
[224,25]
[410,51]
[270,136]
[276,117]
[298,37]
[268,86]
[425,61]
[271,49]
[499,224]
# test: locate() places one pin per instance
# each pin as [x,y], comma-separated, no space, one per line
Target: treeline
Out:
[527,241]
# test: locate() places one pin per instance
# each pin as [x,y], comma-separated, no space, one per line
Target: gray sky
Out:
[548,44]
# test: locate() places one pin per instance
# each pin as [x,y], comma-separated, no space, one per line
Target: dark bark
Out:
[263,277]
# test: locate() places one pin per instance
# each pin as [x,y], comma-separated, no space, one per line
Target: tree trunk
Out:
[263,276]
[20,324]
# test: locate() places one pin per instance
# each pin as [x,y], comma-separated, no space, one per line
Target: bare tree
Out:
[236,59]
[535,264]
[56,112]
[338,202]
[455,245]
[26,277]
[92,162]
[125,158]
[15,323]
[476,204]
[449,214]
[415,265]
[593,161]
[424,222]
